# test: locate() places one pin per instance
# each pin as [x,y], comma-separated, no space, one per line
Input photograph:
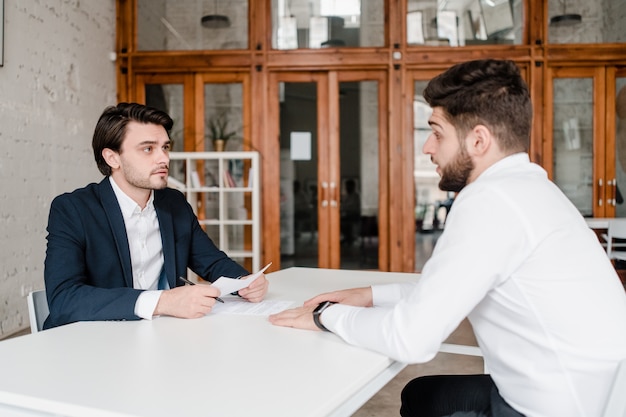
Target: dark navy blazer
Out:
[88,271]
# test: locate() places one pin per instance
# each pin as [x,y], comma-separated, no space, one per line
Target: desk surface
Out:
[219,365]
[598,222]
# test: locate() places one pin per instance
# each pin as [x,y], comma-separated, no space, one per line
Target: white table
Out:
[598,222]
[219,365]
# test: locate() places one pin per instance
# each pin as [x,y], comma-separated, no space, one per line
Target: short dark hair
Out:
[111,128]
[488,92]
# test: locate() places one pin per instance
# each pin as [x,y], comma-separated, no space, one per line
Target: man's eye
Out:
[147,149]
[167,148]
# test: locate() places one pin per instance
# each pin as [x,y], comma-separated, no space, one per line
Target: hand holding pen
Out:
[185,280]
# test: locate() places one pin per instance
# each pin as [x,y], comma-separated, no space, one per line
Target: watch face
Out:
[318,311]
[321,306]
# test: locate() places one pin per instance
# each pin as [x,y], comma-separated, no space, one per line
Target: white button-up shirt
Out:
[544,301]
[146,249]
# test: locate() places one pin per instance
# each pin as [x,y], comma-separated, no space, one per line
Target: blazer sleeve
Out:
[83,272]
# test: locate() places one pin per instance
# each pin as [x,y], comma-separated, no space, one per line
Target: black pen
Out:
[193,283]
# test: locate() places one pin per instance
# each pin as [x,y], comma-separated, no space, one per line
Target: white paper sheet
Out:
[230,285]
[235,305]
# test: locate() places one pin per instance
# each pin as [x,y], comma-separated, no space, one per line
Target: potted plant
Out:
[218,132]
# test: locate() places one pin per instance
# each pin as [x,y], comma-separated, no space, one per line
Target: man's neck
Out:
[138,195]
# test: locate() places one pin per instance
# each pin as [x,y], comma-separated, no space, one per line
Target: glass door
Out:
[576,156]
[617,107]
[329,129]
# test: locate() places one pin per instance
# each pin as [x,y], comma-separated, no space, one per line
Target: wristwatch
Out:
[318,312]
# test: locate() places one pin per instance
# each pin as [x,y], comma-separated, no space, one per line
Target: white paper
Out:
[318,31]
[414,29]
[287,33]
[230,285]
[300,146]
[235,305]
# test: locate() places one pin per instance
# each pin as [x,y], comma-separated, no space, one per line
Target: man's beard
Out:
[455,175]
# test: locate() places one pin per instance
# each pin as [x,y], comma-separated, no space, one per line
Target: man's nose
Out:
[163,156]
[429,146]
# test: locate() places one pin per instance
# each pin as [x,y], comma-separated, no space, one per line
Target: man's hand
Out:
[358,297]
[188,302]
[256,291]
[302,317]
[299,318]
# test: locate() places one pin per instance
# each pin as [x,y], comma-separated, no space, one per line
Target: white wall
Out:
[56,80]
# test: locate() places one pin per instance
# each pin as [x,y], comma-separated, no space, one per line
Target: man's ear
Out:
[111,157]
[480,140]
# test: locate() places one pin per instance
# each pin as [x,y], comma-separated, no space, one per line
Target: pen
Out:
[193,283]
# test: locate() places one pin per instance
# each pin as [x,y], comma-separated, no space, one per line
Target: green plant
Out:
[218,128]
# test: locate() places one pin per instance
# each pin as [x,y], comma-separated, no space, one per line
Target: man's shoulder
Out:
[169,194]
[87,194]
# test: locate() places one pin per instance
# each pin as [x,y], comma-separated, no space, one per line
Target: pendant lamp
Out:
[215,20]
[565,19]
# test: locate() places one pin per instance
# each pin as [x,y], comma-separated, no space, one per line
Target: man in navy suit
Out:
[115,249]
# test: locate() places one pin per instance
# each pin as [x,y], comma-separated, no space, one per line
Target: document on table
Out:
[230,285]
[235,305]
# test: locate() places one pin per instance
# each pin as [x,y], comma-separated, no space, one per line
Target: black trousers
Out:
[454,395]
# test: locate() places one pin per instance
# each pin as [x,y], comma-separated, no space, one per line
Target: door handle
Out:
[600,183]
[333,194]
[613,201]
[324,194]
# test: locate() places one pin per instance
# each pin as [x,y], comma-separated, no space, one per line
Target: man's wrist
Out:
[318,312]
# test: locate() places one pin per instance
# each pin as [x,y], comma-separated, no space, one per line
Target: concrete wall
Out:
[56,80]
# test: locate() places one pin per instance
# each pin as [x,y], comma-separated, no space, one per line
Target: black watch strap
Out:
[318,312]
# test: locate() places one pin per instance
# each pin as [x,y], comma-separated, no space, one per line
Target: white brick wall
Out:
[56,80]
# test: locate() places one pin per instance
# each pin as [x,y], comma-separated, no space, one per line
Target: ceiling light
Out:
[215,21]
[565,19]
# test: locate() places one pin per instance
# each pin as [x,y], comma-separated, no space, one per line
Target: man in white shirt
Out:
[516,258]
[117,248]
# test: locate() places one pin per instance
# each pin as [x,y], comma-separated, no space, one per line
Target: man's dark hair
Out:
[488,92]
[111,128]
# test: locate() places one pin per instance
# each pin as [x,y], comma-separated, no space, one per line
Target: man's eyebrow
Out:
[431,123]
[154,142]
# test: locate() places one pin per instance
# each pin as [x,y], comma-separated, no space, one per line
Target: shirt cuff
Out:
[146,304]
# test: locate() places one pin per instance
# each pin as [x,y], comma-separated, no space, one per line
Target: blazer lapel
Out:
[118,228]
[167,237]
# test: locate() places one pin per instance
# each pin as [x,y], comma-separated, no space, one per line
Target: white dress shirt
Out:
[516,258]
[146,249]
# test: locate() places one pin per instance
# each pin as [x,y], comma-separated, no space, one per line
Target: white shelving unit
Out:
[223,189]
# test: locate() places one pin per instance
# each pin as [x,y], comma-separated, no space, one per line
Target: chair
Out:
[37,309]
[616,230]
[616,404]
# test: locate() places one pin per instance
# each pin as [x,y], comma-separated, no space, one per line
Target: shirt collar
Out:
[127,204]
[506,162]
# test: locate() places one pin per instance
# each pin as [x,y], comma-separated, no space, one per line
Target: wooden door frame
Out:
[328,162]
[601,191]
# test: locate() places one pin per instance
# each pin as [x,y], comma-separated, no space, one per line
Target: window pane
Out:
[431,204]
[172,25]
[223,116]
[582,21]
[327,23]
[620,145]
[169,98]
[358,112]
[298,175]
[463,22]
[573,140]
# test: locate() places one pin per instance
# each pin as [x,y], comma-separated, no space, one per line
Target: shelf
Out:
[228,209]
